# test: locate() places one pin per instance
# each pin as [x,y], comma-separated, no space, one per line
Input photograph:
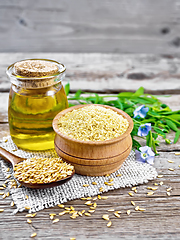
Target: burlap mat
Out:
[133,173]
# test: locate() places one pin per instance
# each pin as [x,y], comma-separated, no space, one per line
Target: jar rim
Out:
[37,81]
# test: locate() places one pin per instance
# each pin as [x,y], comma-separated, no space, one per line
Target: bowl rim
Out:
[113,140]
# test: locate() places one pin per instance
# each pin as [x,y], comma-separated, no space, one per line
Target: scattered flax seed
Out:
[26,197]
[136,208]
[177,153]
[169,189]
[29,221]
[7,194]
[12,204]
[7,170]
[133,203]
[83,198]
[150,193]
[83,211]
[1,188]
[62,213]
[111,210]
[168,193]
[85,185]
[170,161]
[161,183]
[104,198]
[133,188]
[67,208]
[119,175]
[4,196]
[101,189]
[94,183]
[111,179]
[88,203]
[159,176]
[89,198]
[55,220]
[179,165]
[91,211]
[92,208]
[131,194]
[109,224]
[1,210]
[52,215]
[80,214]
[142,209]
[152,188]
[99,197]
[4,185]
[27,207]
[105,217]
[118,212]
[128,212]
[106,183]
[111,184]
[5,140]
[171,169]
[95,205]
[31,215]
[117,215]
[94,199]
[72,238]
[60,205]
[87,214]
[107,175]
[33,235]
[8,176]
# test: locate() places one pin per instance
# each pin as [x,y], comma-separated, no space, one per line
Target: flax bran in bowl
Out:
[94,138]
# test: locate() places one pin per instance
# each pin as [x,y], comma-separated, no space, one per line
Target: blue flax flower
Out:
[144,129]
[145,155]
[141,111]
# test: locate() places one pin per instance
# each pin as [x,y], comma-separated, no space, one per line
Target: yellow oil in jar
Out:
[31,112]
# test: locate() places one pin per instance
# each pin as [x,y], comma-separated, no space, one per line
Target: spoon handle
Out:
[9,157]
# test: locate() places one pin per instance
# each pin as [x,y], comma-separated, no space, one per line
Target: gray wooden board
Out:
[108,72]
[90,26]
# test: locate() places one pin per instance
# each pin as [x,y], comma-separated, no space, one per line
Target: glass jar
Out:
[35,98]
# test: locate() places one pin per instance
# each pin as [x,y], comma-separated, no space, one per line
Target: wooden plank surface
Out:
[161,218]
[109,72]
[83,26]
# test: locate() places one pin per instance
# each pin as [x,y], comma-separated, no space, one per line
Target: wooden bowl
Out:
[93,158]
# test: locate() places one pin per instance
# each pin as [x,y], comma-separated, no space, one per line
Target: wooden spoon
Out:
[13,160]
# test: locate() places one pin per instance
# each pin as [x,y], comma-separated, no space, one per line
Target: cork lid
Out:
[35,68]
[36,73]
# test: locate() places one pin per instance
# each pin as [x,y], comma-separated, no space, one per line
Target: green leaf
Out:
[139,92]
[149,139]
[176,136]
[67,89]
[154,147]
[78,94]
[172,125]
[175,116]
[158,130]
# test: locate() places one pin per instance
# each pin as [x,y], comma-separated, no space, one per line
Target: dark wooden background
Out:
[116,26]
